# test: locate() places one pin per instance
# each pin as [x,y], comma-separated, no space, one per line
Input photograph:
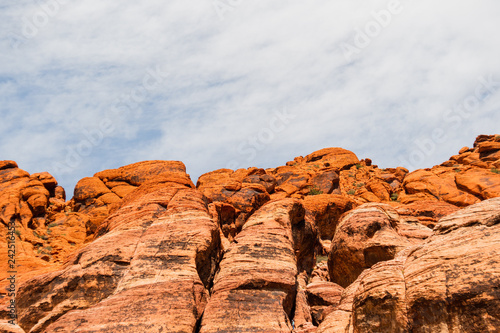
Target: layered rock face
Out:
[156,260]
[256,285]
[326,243]
[369,234]
[449,283]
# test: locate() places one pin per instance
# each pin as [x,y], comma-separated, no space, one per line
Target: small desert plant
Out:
[394,197]
[53,224]
[360,184]
[18,233]
[495,170]
[359,166]
[313,190]
[40,236]
[320,258]
[351,192]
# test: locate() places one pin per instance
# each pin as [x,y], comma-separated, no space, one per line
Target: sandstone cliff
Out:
[326,243]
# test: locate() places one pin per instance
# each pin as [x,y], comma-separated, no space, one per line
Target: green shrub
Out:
[495,170]
[18,233]
[358,166]
[394,197]
[313,190]
[53,224]
[40,236]
[351,192]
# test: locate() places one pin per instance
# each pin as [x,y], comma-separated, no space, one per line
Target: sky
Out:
[93,85]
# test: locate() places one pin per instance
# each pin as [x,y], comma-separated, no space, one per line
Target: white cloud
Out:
[228,78]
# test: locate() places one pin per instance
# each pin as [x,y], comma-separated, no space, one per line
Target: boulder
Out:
[325,210]
[369,234]
[449,283]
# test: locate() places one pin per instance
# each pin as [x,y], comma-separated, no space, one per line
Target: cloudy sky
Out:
[92,85]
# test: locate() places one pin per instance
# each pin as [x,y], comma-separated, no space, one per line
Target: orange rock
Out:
[438,183]
[138,173]
[381,189]
[326,209]
[339,320]
[225,216]
[256,284]
[338,158]
[226,186]
[145,253]
[323,297]
[6,327]
[320,272]
[48,181]
[265,180]
[24,200]
[447,283]
[142,238]
[482,183]
[427,213]
[8,165]
[366,235]
[88,188]
[123,190]
[325,181]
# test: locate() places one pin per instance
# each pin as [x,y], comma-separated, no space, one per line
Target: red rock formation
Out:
[138,248]
[323,298]
[448,283]
[99,196]
[44,234]
[467,178]
[245,190]
[325,210]
[366,235]
[145,261]
[256,287]
[427,213]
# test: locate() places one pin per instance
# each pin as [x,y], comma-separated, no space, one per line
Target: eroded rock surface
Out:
[148,272]
[139,248]
[256,286]
[369,234]
[449,283]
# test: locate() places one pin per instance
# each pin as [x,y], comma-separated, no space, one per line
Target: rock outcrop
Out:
[155,258]
[323,298]
[101,195]
[245,190]
[256,287]
[465,179]
[366,235]
[44,233]
[449,283]
[325,243]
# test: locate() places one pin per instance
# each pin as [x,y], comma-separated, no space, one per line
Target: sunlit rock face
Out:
[325,243]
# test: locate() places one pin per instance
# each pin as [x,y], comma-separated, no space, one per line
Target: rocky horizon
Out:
[325,243]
